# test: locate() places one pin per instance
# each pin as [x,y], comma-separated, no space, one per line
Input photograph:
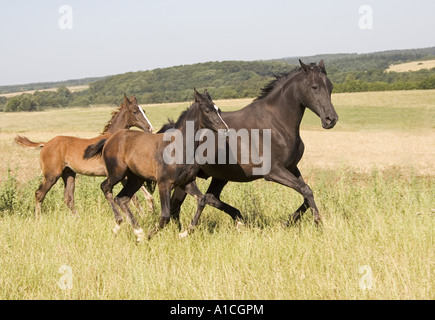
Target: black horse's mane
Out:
[278,79]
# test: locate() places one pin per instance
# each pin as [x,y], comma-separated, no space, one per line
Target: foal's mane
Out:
[175,124]
[114,115]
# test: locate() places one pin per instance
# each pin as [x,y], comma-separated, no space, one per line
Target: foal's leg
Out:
[165,202]
[149,198]
[134,199]
[177,200]
[285,177]
[49,180]
[68,177]
[123,198]
[107,188]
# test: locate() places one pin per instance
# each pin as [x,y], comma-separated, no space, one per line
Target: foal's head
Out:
[316,90]
[209,114]
[135,116]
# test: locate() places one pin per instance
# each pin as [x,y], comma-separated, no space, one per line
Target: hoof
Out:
[153,232]
[318,221]
[116,229]
[151,206]
[139,234]
[189,230]
[183,235]
[240,225]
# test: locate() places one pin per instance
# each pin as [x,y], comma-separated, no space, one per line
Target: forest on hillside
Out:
[233,79]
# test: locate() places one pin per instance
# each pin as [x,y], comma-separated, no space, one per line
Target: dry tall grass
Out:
[376,242]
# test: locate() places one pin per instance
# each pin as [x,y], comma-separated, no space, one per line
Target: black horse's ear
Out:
[197,95]
[207,95]
[126,101]
[303,65]
[321,65]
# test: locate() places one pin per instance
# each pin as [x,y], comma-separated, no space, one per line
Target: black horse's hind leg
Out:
[304,207]
[298,213]
[68,177]
[212,198]
[285,177]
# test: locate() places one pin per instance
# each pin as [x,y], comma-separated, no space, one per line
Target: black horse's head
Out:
[316,93]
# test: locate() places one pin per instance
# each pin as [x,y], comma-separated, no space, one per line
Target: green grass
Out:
[398,110]
[384,220]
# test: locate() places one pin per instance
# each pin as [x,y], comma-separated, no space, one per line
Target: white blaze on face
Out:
[144,115]
[217,111]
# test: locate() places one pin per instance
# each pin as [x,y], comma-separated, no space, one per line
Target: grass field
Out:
[70,88]
[373,181]
[412,66]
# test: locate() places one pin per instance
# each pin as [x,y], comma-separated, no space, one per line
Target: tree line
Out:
[231,79]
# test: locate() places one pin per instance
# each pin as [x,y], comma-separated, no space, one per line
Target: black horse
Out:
[279,109]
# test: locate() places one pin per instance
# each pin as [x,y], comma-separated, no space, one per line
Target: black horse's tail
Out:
[94,150]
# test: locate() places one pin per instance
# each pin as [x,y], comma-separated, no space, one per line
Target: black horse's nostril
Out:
[329,121]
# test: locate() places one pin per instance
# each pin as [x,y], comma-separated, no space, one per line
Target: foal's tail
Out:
[26,143]
[94,150]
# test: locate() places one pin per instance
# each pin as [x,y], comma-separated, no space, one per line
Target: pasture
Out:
[412,66]
[70,88]
[372,178]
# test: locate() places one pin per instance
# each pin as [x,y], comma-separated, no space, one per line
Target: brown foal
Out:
[141,157]
[62,156]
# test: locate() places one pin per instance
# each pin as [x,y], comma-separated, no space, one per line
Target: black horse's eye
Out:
[315,87]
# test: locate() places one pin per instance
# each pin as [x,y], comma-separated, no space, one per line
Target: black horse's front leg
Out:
[285,177]
[212,198]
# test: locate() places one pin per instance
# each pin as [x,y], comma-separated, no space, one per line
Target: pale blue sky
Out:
[111,37]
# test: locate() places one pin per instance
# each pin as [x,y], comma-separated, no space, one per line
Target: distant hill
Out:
[46,85]
[230,79]
[365,61]
[226,80]
[240,79]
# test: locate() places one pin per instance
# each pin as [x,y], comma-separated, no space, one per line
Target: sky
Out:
[40,41]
